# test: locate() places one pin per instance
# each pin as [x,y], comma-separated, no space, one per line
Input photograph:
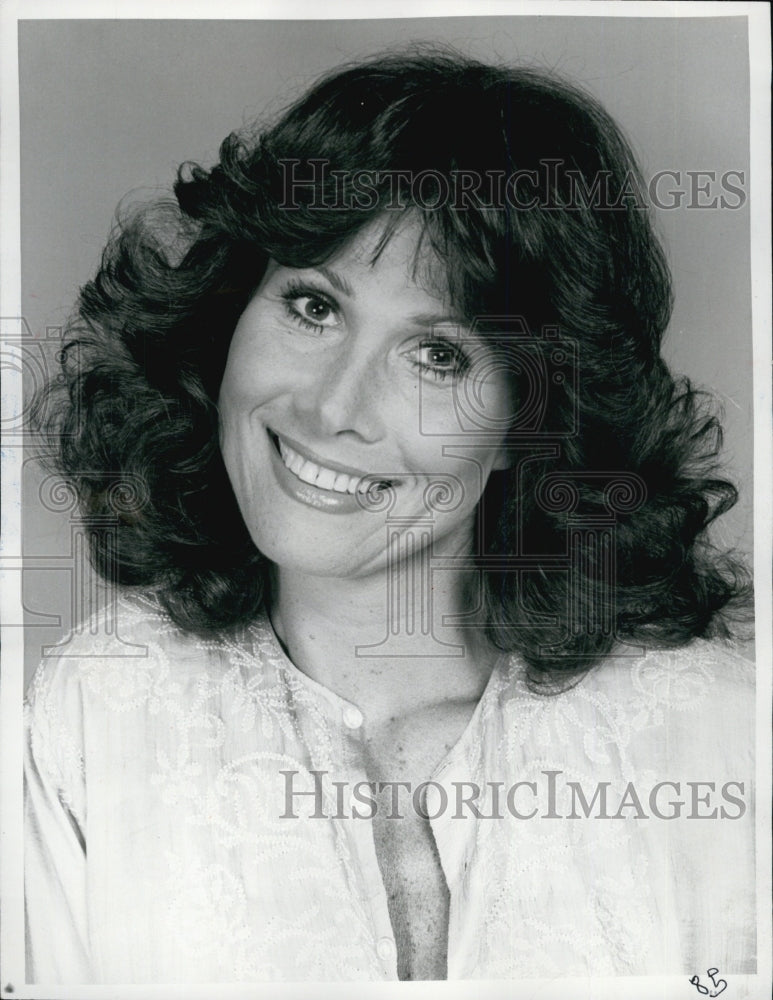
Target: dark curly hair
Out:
[555,233]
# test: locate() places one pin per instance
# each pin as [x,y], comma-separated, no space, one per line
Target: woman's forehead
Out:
[397,246]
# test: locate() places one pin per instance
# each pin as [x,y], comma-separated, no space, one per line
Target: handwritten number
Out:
[720,985]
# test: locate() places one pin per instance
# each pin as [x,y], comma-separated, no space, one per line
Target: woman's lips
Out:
[328,476]
[347,493]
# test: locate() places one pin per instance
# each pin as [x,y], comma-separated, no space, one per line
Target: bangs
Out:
[527,191]
[469,245]
[453,257]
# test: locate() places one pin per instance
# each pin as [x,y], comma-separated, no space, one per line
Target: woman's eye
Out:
[309,309]
[439,359]
[314,309]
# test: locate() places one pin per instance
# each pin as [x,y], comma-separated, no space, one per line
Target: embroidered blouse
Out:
[183,825]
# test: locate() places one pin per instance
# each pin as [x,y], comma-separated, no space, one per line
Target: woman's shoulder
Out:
[125,628]
[129,677]
[692,705]
[713,677]
[128,649]
[695,703]
[662,679]
[129,683]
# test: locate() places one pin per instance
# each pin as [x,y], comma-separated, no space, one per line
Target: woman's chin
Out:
[314,557]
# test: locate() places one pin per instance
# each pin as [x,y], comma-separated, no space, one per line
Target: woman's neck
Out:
[385,641]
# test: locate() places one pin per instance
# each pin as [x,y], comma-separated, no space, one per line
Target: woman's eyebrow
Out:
[339,282]
[336,280]
[441,319]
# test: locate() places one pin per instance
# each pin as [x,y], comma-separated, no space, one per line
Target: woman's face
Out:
[348,375]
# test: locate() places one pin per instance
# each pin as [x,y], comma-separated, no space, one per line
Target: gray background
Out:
[112,107]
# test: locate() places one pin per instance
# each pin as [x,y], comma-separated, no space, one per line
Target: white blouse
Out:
[614,835]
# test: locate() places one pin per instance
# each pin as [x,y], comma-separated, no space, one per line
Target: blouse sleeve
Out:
[55,844]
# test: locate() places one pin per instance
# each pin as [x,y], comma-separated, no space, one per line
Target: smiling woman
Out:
[421,530]
[322,387]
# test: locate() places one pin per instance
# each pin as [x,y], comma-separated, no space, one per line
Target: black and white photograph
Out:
[386,500]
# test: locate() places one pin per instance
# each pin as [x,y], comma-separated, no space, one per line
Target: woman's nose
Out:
[346,395]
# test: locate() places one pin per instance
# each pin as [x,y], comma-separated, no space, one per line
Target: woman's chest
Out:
[401,757]
[416,890]
[201,872]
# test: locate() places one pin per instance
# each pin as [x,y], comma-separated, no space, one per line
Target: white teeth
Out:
[308,472]
[326,479]
[317,475]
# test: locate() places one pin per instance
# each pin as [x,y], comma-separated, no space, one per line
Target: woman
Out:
[402,490]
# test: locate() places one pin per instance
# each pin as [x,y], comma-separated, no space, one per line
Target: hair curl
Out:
[148,348]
